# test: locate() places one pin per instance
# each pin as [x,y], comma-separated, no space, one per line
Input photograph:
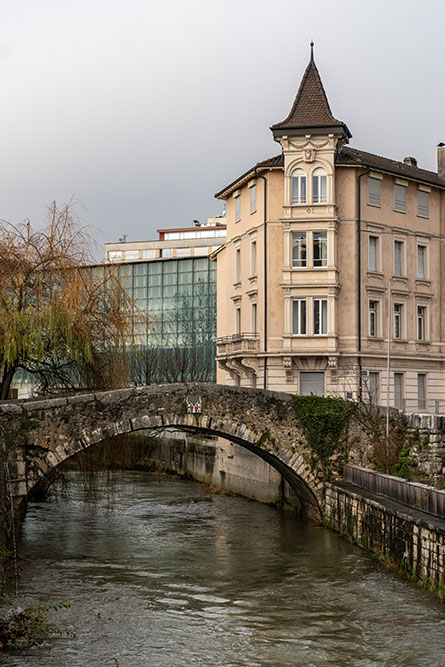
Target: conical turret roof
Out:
[310,109]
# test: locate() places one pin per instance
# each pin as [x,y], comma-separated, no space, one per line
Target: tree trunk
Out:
[5,384]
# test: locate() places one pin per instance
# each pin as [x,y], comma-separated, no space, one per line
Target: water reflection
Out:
[175,575]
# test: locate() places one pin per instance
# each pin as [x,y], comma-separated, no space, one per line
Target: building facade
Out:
[332,269]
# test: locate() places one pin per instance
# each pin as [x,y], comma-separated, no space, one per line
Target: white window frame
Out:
[238,318]
[322,305]
[300,320]
[298,186]
[421,322]
[398,324]
[302,244]
[149,253]
[373,318]
[114,255]
[323,245]
[319,183]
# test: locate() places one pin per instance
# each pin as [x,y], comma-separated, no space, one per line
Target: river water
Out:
[173,574]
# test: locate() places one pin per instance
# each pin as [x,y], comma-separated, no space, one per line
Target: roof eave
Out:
[340,128]
[391,172]
[241,180]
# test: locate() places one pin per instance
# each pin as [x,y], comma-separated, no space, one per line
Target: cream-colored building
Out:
[330,249]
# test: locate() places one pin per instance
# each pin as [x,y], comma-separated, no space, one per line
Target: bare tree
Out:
[60,319]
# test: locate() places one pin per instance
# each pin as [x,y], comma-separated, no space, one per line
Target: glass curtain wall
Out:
[174,324]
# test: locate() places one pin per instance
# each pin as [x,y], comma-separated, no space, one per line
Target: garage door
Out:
[311,383]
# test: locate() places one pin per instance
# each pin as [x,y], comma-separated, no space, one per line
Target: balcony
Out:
[238,343]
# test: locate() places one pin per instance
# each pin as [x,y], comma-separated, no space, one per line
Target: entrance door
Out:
[311,383]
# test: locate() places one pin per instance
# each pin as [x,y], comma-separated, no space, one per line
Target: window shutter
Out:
[373,191]
[422,203]
[399,197]
[311,383]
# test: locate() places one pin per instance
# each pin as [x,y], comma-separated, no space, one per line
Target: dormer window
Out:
[299,187]
[319,186]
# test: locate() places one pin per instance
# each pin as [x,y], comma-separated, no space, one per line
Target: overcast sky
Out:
[142,110]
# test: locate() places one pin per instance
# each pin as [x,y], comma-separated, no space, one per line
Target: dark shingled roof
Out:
[270,163]
[353,156]
[311,107]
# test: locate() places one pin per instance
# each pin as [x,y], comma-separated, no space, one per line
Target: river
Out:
[175,575]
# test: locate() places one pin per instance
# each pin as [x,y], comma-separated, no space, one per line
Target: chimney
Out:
[411,161]
[441,160]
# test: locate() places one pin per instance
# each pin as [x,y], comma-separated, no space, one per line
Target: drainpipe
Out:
[359,280]
[265,279]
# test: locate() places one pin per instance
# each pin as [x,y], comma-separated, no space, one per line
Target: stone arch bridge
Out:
[39,434]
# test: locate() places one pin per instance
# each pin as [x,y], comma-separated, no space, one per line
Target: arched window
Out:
[319,186]
[298,186]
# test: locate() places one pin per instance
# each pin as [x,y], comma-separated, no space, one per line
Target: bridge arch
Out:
[260,421]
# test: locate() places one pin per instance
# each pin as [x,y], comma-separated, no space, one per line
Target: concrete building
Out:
[197,241]
[333,258]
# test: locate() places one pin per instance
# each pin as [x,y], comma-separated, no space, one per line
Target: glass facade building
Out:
[174,324]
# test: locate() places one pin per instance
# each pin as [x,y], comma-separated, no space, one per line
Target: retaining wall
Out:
[413,494]
[413,543]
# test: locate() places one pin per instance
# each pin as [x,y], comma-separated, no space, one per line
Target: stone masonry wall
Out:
[413,545]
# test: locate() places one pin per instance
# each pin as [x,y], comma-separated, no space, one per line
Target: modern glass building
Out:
[174,325]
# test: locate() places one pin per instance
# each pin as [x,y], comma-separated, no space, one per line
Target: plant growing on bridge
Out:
[323,422]
[60,320]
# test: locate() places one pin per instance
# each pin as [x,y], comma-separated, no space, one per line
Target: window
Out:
[319,186]
[299,317]
[237,208]
[421,267]
[238,319]
[398,312]
[373,314]
[421,391]
[149,253]
[311,383]
[166,252]
[131,254]
[252,198]
[254,318]
[398,390]
[320,317]
[114,255]
[373,191]
[421,322]
[422,203]
[373,387]
[398,258]
[237,265]
[298,187]
[299,249]
[372,251]
[200,250]
[399,198]
[253,258]
[183,252]
[320,248]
